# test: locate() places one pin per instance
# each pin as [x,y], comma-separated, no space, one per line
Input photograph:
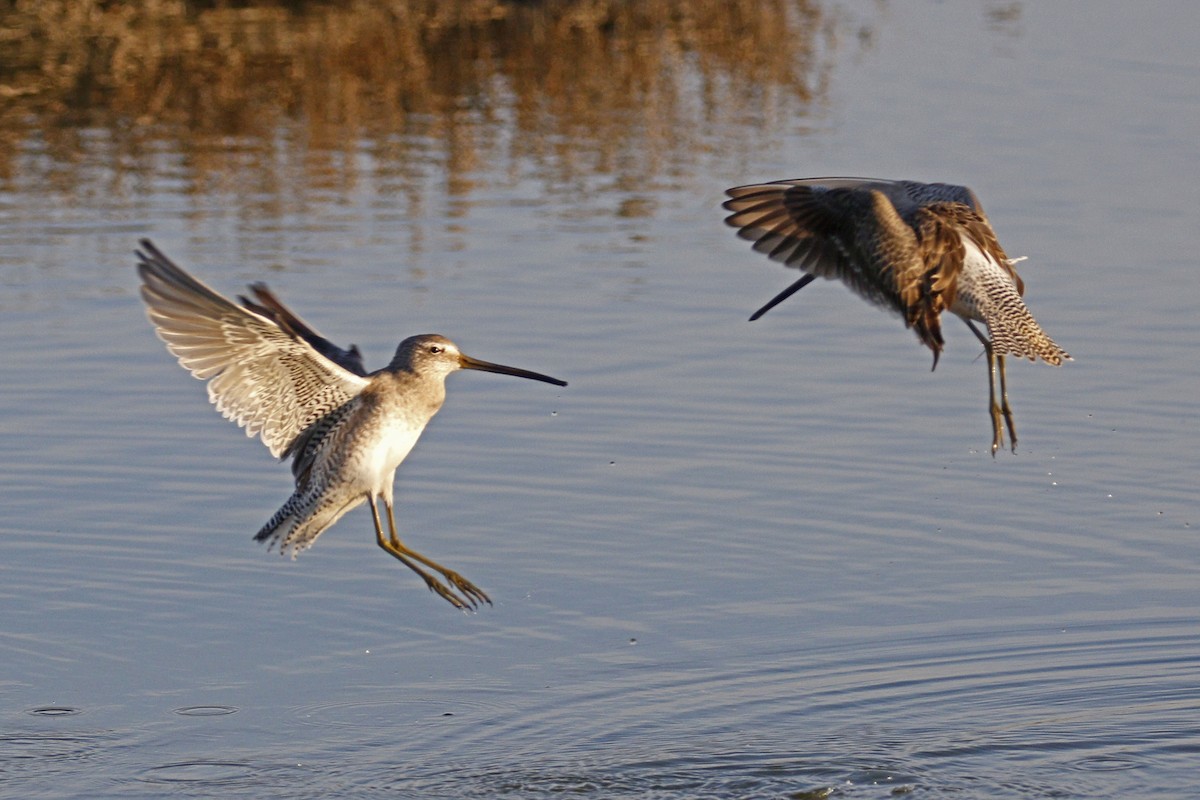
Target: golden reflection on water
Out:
[284,96]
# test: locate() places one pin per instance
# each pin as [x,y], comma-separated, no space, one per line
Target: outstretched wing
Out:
[269,381]
[266,304]
[856,230]
[786,221]
[829,227]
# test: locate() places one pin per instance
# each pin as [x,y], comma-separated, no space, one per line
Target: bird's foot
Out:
[468,589]
[465,603]
[998,432]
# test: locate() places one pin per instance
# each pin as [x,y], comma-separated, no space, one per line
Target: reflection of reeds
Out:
[628,87]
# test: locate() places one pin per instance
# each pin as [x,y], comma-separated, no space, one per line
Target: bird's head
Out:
[432,354]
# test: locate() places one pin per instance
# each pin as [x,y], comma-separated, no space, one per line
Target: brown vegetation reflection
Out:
[632,89]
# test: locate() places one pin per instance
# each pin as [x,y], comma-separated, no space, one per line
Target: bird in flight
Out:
[346,430]
[916,249]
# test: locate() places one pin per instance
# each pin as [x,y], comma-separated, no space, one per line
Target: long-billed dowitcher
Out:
[346,430]
[917,249]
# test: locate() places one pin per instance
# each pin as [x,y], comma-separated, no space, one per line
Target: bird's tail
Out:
[301,520]
[1013,329]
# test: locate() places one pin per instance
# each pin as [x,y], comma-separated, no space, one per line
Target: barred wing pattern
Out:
[918,249]
[268,381]
[267,305]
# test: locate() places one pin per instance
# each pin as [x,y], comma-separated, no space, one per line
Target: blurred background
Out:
[731,559]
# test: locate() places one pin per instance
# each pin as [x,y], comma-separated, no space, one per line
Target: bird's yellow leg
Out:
[993,406]
[469,590]
[400,553]
[1004,406]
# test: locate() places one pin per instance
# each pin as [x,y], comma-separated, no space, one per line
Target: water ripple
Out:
[205,711]
[210,773]
[945,714]
[55,711]
[388,714]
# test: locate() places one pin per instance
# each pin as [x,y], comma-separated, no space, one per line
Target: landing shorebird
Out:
[914,248]
[345,429]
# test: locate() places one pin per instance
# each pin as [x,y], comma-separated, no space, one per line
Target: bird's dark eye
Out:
[436,348]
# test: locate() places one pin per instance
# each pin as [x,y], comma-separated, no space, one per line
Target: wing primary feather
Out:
[268,380]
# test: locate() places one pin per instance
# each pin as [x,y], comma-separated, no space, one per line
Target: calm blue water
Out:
[729,560]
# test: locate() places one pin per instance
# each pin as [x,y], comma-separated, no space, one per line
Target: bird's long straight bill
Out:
[784,295]
[486,366]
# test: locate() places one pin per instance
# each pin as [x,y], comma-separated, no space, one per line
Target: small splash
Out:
[812,794]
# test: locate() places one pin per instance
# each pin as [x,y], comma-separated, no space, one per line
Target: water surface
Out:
[730,559]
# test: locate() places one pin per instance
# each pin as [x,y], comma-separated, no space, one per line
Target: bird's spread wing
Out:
[856,230]
[923,194]
[269,381]
[266,304]
[817,225]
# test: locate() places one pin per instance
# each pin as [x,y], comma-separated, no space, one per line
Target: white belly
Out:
[379,462]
